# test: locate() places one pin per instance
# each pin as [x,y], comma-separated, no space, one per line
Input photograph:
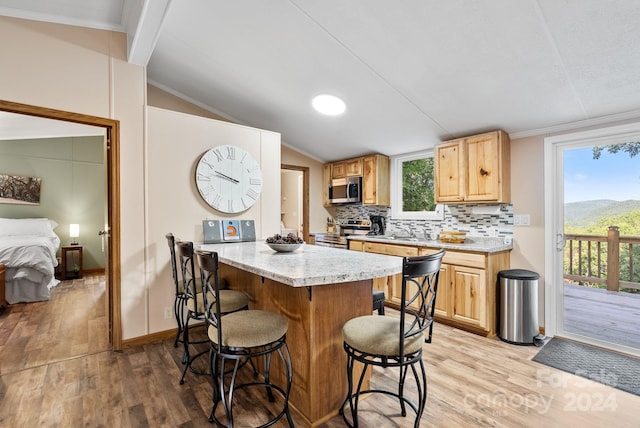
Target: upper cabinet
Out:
[326,183]
[348,168]
[374,170]
[474,169]
[375,180]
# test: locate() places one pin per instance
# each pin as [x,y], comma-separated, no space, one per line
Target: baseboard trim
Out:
[149,338]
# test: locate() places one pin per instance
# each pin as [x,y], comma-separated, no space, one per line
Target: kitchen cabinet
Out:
[375,180]
[474,169]
[466,288]
[326,183]
[391,285]
[347,168]
[374,170]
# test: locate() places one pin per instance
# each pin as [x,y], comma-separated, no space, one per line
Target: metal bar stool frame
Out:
[421,274]
[223,349]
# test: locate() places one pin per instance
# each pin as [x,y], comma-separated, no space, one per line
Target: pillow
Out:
[53,224]
[26,227]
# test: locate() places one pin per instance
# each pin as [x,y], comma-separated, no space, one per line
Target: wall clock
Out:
[229,179]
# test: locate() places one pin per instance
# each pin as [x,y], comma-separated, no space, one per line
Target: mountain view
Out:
[594,217]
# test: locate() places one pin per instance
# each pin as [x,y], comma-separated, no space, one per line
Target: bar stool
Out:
[378,301]
[385,341]
[180,298]
[237,336]
[230,301]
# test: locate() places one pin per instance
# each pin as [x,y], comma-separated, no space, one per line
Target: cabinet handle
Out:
[483,172]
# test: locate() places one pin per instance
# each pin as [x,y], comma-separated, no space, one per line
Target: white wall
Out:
[86,71]
[175,143]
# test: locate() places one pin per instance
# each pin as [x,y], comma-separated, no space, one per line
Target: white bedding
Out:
[29,262]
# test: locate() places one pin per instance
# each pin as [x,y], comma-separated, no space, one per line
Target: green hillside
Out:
[595,216]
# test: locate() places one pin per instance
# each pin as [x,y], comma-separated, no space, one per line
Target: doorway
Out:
[112,227]
[294,201]
[583,299]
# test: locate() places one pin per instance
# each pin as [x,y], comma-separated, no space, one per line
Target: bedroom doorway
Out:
[294,203]
[111,231]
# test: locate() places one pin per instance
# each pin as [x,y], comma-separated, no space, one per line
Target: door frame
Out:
[112,128]
[554,217]
[305,197]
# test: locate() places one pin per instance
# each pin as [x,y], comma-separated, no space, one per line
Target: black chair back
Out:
[419,289]
[187,267]
[171,241]
[208,262]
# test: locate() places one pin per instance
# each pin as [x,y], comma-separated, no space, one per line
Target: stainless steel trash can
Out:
[518,306]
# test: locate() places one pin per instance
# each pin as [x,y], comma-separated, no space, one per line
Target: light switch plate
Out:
[522,220]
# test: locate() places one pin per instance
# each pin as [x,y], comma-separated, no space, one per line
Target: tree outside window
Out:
[412,187]
[418,185]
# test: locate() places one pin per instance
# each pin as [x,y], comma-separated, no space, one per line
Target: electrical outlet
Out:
[168,314]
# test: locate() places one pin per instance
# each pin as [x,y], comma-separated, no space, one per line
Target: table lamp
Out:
[74,232]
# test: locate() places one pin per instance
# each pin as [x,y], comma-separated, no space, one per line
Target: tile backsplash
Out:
[456,217]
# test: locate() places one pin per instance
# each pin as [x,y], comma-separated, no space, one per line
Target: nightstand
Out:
[71,262]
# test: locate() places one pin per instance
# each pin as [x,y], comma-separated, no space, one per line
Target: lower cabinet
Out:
[466,287]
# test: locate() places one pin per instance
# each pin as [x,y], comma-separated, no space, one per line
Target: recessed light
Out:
[328,104]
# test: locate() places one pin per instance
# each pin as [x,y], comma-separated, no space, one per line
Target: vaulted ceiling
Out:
[412,73]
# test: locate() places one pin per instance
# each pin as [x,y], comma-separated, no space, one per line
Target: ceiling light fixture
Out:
[328,104]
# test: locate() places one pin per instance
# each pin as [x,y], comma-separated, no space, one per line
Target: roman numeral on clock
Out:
[252,194]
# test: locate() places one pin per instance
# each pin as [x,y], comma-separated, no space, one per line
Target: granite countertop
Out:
[308,265]
[473,243]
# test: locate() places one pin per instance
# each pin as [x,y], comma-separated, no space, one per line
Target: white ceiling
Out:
[412,73]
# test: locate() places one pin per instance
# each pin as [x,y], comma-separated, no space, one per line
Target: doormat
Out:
[606,367]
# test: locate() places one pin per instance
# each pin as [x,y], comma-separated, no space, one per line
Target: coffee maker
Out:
[377,224]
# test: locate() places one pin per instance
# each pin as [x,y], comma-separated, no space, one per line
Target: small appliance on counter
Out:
[215,231]
[377,225]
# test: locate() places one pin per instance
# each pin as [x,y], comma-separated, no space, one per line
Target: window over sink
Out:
[412,187]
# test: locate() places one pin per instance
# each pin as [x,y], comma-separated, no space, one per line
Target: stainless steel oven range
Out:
[341,239]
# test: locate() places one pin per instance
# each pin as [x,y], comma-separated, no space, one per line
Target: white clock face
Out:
[229,179]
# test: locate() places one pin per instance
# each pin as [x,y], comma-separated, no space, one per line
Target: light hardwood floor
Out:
[55,371]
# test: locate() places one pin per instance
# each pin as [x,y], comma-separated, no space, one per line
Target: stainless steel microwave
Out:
[345,190]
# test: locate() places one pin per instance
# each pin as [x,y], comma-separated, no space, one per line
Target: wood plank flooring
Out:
[56,372]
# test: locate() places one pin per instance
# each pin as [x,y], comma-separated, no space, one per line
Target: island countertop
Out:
[309,265]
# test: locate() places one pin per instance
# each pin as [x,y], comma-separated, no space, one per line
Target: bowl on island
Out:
[284,243]
[284,248]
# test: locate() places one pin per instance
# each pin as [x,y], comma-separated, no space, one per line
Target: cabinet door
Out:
[369,181]
[353,168]
[338,170]
[449,171]
[394,282]
[375,180]
[468,295]
[443,303]
[326,181]
[356,245]
[484,162]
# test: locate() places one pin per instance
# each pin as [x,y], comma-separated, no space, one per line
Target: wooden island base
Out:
[316,315]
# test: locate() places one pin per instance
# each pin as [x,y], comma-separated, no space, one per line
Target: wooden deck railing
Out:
[598,259]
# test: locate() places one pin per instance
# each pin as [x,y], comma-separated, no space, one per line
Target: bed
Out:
[28,249]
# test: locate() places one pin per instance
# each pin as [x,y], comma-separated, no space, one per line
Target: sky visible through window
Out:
[613,176]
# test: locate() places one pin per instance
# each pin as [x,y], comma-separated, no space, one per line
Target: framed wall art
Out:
[16,189]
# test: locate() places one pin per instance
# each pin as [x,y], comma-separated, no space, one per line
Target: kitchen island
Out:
[318,289]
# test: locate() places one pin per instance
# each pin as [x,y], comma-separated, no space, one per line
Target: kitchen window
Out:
[412,187]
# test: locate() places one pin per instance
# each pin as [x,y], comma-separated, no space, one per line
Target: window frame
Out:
[396,189]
